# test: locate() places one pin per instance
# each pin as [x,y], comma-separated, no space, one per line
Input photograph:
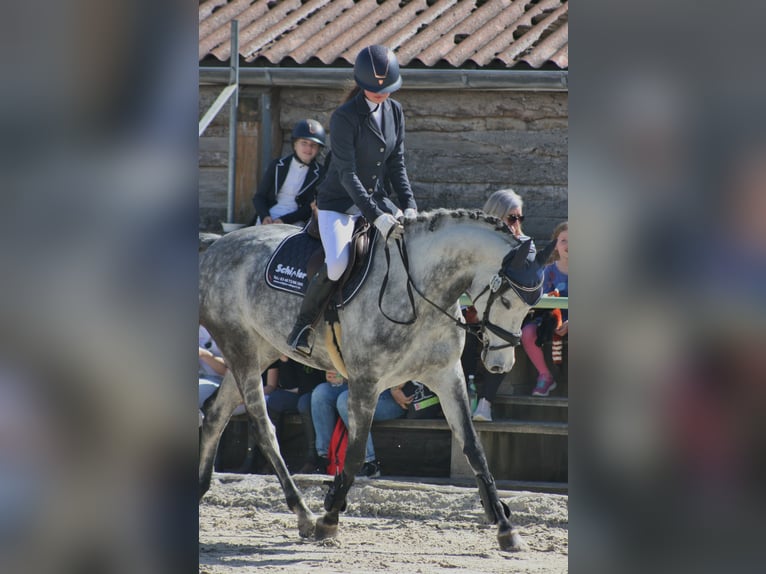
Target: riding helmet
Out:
[310,130]
[376,69]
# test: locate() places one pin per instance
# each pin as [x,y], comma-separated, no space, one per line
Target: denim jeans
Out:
[327,400]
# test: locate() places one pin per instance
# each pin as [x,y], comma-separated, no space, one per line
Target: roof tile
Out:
[465,33]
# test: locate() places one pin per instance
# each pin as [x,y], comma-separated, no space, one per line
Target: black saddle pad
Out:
[287,268]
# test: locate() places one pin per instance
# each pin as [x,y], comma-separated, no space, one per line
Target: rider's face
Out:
[375,98]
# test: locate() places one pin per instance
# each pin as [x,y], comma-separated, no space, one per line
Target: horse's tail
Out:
[206,240]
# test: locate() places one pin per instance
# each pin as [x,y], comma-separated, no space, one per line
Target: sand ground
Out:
[390,525]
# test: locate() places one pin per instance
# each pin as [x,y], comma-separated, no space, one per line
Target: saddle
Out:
[299,257]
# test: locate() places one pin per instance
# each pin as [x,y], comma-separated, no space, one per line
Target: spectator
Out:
[555,279]
[507,205]
[289,185]
[212,368]
[487,383]
[330,399]
[367,146]
[289,385]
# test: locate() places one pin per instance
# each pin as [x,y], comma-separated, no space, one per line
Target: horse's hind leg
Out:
[218,411]
[255,403]
[454,400]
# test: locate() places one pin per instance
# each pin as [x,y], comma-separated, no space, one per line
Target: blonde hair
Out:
[560,228]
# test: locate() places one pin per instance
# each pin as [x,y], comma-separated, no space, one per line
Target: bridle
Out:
[497,288]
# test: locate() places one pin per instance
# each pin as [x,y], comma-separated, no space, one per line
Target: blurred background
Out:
[667,202]
[98,111]
[98,117]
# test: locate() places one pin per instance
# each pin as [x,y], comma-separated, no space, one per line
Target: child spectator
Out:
[555,279]
[288,186]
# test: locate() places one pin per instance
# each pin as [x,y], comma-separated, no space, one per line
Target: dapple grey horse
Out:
[450,253]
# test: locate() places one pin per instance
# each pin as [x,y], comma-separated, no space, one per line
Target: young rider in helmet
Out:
[288,187]
[367,150]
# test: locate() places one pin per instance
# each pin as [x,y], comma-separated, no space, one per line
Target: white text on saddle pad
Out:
[289,271]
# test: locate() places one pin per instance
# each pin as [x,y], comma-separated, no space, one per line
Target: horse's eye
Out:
[506,303]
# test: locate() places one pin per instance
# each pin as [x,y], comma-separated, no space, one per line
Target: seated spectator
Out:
[555,280]
[487,383]
[330,400]
[288,186]
[289,385]
[212,368]
[507,205]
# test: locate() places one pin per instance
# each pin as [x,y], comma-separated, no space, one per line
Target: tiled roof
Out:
[424,33]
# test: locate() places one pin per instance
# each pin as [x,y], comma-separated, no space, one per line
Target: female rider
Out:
[367,133]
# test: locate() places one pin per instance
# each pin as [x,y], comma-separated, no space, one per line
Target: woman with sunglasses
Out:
[507,205]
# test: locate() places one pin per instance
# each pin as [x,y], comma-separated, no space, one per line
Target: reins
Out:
[495,290]
[402,247]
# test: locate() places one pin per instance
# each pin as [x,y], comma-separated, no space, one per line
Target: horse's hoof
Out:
[306,527]
[511,541]
[325,530]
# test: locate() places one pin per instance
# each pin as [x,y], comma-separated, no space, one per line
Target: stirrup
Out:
[301,342]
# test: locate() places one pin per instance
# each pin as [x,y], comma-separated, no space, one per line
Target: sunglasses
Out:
[514,218]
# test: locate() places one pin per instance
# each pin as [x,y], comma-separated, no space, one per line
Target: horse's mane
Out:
[435,216]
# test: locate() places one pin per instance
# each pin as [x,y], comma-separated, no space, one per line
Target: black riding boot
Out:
[317,294]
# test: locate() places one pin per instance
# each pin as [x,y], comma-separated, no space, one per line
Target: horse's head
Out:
[512,291]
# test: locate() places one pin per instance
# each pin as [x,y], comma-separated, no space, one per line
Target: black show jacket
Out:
[363,158]
[266,193]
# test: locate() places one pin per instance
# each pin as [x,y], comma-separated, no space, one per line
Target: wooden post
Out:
[248,157]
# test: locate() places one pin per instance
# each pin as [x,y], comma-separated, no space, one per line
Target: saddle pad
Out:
[286,270]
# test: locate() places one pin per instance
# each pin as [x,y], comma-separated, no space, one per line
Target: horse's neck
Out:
[456,255]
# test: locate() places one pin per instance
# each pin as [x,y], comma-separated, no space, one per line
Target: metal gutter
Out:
[512,80]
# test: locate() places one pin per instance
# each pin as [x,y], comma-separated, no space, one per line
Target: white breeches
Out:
[336,230]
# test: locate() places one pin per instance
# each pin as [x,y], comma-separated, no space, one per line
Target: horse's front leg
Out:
[266,437]
[451,390]
[362,400]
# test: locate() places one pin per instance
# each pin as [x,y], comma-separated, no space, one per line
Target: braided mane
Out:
[435,216]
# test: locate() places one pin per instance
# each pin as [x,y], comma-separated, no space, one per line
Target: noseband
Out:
[498,286]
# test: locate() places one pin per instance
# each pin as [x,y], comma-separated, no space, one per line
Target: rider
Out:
[367,148]
[287,188]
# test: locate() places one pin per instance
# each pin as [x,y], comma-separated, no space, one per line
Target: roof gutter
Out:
[429,79]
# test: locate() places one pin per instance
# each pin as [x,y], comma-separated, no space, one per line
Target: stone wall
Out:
[460,147]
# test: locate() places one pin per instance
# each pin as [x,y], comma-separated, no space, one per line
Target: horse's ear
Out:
[543,255]
[520,257]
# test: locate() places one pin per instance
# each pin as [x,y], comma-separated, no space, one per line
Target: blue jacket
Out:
[363,159]
[266,193]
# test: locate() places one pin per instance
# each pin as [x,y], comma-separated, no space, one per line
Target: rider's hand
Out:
[389,226]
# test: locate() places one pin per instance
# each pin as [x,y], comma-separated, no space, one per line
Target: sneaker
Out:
[370,469]
[543,387]
[483,411]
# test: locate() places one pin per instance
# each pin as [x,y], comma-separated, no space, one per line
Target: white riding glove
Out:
[410,213]
[389,226]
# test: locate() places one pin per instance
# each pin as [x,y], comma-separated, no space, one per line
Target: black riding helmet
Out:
[310,130]
[376,69]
